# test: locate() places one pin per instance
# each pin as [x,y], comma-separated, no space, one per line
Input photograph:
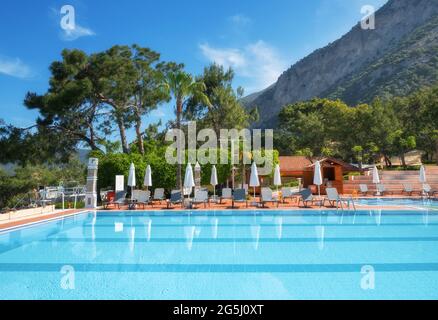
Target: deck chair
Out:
[336,201]
[408,189]
[382,190]
[159,195]
[428,191]
[239,196]
[119,200]
[142,197]
[363,189]
[287,193]
[267,197]
[201,197]
[175,198]
[227,193]
[306,197]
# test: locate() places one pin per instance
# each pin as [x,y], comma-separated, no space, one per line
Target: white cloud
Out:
[234,58]
[14,67]
[76,33]
[260,63]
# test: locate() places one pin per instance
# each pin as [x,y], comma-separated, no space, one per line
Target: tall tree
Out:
[225,110]
[88,94]
[182,87]
[130,81]
[113,75]
[69,107]
[146,86]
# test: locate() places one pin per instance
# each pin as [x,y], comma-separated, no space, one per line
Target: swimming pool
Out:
[224,255]
[407,202]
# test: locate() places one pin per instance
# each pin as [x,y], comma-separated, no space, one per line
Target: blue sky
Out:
[259,39]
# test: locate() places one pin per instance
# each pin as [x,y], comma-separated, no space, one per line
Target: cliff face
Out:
[397,57]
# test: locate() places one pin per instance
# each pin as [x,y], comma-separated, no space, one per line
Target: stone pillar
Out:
[91,195]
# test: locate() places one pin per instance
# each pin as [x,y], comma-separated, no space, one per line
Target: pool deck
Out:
[18,221]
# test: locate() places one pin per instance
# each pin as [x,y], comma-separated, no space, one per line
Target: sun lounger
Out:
[336,201]
[142,197]
[240,197]
[175,198]
[227,194]
[306,197]
[381,189]
[159,195]
[428,191]
[288,193]
[267,197]
[119,200]
[363,189]
[408,189]
[201,197]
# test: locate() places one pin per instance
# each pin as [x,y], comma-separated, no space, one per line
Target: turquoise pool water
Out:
[224,255]
[410,202]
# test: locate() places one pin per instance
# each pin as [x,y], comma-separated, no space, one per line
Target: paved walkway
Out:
[6,223]
[226,205]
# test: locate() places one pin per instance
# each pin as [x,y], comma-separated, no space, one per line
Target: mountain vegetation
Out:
[397,58]
[363,133]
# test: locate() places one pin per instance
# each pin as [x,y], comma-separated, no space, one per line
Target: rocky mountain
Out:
[397,57]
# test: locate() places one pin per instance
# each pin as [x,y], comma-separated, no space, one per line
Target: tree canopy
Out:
[363,133]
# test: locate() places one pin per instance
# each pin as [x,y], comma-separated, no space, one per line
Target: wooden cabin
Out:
[301,167]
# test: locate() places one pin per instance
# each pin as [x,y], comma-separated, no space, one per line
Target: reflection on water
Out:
[215,227]
[255,232]
[320,234]
[132,239]
[190,235]
[279,227]
[118,227]
[378,214]
[93,226]
[426,217]
[148,229]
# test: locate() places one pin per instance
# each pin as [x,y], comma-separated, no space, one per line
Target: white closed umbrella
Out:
[317,176]
[277,176]
[423,178]
[148,178]
[254,179]
[213,180]
[376,178]
[131,179]
[189,181]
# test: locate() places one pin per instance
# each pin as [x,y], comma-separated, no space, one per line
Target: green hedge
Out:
[110,165]
[163,174]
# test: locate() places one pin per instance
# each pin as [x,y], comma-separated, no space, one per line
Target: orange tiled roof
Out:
[295,163]
[303,163]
